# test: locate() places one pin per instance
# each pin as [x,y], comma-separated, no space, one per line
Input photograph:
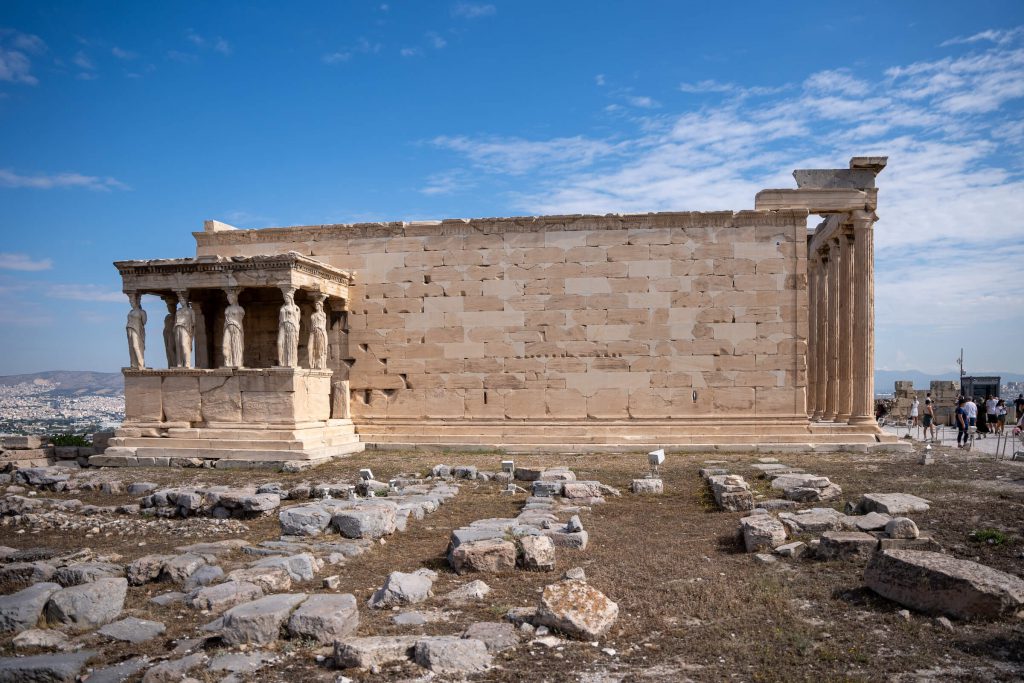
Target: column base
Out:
[816,416]
[842,418]
[864,420]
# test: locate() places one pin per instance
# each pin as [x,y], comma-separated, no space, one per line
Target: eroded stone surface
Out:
[259,622]
[325,618]
[401,589]
[576,609]
[88,605]
[452,654]
[489,555]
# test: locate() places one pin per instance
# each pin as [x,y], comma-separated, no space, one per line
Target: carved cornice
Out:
[290,261]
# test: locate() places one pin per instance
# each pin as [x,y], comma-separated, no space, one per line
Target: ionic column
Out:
[832,334]
[820,351]
[863,412]
[812,329]
[844,403]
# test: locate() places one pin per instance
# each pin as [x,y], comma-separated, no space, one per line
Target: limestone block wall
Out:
[669,315]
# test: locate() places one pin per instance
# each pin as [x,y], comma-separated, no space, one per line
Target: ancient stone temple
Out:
[247,379]
[580,332]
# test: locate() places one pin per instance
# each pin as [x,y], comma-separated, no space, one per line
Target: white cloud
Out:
[194,38]
[9,178]
[997,36]
[336,57]
[473,10]
[446,182]
[436,41]
[24,262]
[643,102]
[85,293]
[122,54]
[15,48]
[599,79]
[836,81]
[82,61]
[222,46]
[345,54]
[409,51]
[517,156]
[707,86]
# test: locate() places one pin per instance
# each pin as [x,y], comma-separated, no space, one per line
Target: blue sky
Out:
[124,125]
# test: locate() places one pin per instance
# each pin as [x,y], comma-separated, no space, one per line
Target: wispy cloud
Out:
[709,85]
[15,61]
[447,182]
[643,102]
[997,36]
[201,43]
[23,262]
[43,181]
[599,79]
[517,156]
[409,51]
[473,10]
[222,46]
[435,40]
[83,61]
[122,54]
[345,54]
[81,292]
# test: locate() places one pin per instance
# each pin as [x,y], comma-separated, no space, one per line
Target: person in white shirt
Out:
[971,408]
[914,409]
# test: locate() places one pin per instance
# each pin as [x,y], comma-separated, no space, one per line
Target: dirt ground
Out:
[692,604]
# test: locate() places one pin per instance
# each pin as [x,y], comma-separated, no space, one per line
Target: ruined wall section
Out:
[668,315]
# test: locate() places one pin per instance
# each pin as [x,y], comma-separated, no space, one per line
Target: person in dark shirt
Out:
[961,424]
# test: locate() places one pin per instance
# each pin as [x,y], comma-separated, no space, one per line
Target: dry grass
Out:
[692,603]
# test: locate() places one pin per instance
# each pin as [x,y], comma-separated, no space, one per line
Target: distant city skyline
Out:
[123,127]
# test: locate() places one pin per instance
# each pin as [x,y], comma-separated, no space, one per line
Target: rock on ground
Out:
[89,605]
[893,503]
[939,584]
[576,609]
[87,572]
[38,637]
[132,630]
[21,610]
[538,553]
[648,486]
[496,635]
[270,580]
[56,668]
[452,654]
[373,651]
[474,590]
[223,595]
[239,662]
[304,520]
[259,622]
[488,555]
[762,531]
[401,589]
[374,522]
[173,670]
[901,527]
[325,618]
[846,545]
[301,567]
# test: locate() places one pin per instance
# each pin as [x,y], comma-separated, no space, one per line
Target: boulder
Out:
[145,569]
[873,521]
[497,636]
[648,486]
[939,584]
[269,579]
[490,555]
[558,474]
[325,618]
[180,567]
[239,662]
[814,520]
[203,576]
[895,504]
[794,550]
[41,638]
[452,655]
[174,670]
[576,609]
[259,622]
[373,652]
[846,545]
[373,522]
[223,595]
[474,590]
[566,539]
[901,527]
[401,589]
[124,671]
[762,531]
[132,630]
[581,489]
[301,567]
[88,605]
[538,553]
[59,668]
[87,572]
[21,610]
[304,520]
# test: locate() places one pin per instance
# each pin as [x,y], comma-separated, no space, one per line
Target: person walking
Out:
[929,419]
[961,423]
[1000,416]
[915,408]
[971,408]
[991,414]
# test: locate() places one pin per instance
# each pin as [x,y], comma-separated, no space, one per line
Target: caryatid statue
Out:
[318,335]
[184,328]
[172,357]
[288,331]
[233,344]
[136,328]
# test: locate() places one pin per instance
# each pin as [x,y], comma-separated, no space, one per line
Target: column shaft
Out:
[832,334]
[864,319]
[202,357]
[820,351]
[844,403]
[812,329]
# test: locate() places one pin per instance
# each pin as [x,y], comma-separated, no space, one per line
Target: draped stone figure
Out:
[136,328]
[288,332]
[233,345]
[318,336]
[184,328]
[172,307]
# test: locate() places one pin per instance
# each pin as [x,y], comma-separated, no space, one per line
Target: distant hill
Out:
[885,379]
[73,382]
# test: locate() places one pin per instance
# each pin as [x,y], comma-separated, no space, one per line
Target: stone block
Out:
[181,399]
[221,398]
[143,398]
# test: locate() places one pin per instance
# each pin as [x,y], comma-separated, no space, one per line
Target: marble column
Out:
[863,412]
[821,324]
[844,402]
[172,306]
[832,334]
[202,357]
[812,329]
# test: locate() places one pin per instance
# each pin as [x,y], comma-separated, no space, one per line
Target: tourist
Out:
[1000,416]
[914,408]
[991,413]
[1018,405]
[971,409]
[929,419]
[961,423]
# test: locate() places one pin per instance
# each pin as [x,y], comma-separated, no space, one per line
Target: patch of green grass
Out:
[989,536]
[69,440]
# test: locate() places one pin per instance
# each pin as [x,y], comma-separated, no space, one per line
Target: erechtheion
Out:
[686,330]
